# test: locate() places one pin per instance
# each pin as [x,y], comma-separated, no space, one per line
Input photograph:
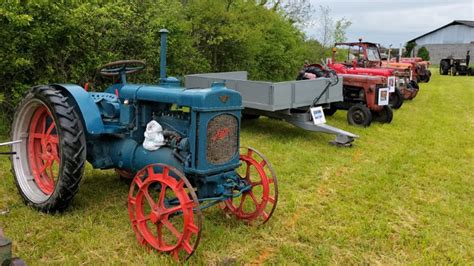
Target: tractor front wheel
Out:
[384,116]
[396,99]
[49,162]
[359,115]
[256,205]
[164,211]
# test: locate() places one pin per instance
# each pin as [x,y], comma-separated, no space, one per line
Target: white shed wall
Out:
[449,35]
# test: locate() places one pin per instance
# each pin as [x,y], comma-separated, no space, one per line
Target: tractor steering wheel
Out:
[122,67]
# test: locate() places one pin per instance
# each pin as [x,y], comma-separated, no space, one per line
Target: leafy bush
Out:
[423,53]
[65,41]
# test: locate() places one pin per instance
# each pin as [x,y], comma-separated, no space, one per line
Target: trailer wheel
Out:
[257,205]
[384,116]
[359,115]
[49,163]
[164,211]
[396,99]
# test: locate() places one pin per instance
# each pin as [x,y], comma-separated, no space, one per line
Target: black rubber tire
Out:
[330,111]
[359,115]
[443,68]
[414,84]
[396,99]
[72,148]
[428,77]
[385,116]
[250,117]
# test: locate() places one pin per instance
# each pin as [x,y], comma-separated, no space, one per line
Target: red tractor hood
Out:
[343,69]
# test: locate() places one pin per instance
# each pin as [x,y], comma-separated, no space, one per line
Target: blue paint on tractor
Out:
[196,122]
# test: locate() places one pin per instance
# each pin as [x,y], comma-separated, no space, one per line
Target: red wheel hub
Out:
[258,204]
[43,150]
[161,205]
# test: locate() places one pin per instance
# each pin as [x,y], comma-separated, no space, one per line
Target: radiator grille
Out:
[222,139]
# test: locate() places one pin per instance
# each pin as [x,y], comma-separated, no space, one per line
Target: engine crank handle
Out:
[11,142]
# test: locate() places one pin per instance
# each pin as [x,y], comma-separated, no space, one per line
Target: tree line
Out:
[65,41]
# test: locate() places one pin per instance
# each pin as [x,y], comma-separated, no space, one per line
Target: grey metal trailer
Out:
[289,100]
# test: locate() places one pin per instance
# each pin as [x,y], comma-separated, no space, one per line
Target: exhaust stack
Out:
[163,51]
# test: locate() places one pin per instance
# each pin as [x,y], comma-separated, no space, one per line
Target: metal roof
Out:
[469,23]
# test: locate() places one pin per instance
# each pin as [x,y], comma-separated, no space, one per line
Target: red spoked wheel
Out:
[257,205]
[43,150]
[164,211]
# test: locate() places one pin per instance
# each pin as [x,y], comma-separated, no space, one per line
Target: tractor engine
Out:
[200,126]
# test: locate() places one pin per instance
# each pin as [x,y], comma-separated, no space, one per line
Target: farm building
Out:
[453,39]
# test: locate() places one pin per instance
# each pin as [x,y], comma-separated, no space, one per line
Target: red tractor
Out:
[363,58]
[421,67]
[366,97]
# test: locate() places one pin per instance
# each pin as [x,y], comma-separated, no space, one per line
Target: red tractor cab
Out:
[366,97]
[363,58]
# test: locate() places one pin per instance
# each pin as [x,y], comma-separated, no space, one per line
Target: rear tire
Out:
[53,141]
[359,115]
[384,116]
[396,99]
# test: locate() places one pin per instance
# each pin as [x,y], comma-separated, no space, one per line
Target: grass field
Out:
[403,194]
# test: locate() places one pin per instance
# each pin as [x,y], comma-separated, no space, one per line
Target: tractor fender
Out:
[85,107]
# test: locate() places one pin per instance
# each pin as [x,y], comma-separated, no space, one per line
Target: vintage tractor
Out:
[365,96]
[364,58]
[421,67]
[456,66]
[180,146]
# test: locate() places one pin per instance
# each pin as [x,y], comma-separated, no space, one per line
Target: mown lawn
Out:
[403,194]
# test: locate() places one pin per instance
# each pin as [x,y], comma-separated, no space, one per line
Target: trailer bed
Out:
[270,96]
[288,100]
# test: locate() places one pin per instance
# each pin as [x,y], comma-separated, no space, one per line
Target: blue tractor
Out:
[180,148]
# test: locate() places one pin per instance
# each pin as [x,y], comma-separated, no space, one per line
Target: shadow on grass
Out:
[277,129]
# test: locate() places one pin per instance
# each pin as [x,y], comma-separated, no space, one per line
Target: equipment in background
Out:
[451,66]
[365,97]
[368,62]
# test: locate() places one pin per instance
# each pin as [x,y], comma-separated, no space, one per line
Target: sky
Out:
[394,21]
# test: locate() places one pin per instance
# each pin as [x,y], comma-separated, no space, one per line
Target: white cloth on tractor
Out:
[154,138]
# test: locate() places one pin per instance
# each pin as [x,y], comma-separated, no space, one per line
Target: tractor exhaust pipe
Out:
[163,44]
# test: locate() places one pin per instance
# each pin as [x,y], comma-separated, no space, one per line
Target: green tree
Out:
[409,46]
[65,41]
[423,53]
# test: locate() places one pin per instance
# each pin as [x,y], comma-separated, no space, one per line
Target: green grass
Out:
[403,194]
